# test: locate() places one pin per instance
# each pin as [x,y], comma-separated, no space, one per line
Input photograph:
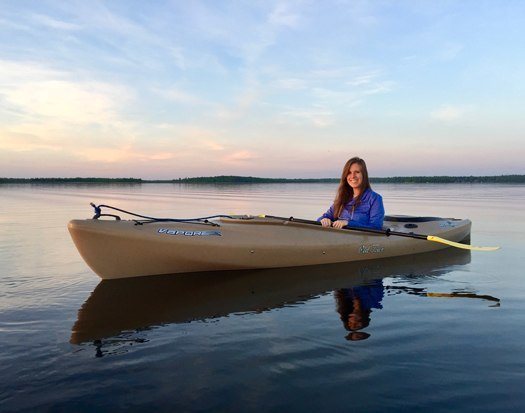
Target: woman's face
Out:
[355,322]
[355,176]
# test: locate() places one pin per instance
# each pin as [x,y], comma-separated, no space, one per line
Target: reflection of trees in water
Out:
[355,304]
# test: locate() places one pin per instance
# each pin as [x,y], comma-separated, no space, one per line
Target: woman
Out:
[355,204]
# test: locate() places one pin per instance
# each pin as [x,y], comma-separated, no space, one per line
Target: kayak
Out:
[115,248]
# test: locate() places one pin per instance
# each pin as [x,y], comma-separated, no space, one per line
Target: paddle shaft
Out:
[389,232]
[386,232]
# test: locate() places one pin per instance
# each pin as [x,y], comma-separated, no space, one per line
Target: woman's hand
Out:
[325,222]
[340,223]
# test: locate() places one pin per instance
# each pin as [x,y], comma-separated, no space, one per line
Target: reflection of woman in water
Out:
[355,305]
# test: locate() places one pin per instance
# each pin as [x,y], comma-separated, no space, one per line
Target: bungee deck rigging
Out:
[147,219]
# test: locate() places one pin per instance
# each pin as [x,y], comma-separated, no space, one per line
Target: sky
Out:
[174,89]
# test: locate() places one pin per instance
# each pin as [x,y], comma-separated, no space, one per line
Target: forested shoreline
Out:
[232,179]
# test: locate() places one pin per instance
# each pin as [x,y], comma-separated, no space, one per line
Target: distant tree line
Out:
[232,179]
[501,179]
[68,180]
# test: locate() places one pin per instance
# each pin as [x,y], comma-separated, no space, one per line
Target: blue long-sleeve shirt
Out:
[369,213]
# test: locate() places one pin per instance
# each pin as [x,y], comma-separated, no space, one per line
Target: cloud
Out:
[50,111]
[291,83]
[106,155]
[450,51]
[12,71]
[161,156]
[179,57]
[178,95]
[212,145]
[334,87]
[240,156]
[318,117]
[42,95]
[98,16]
[244,101]
[362,79]
[282,16]
[87,102]
[54,23]
[24,142]
[332,92]
[449,113]
[184,131]
[379,88]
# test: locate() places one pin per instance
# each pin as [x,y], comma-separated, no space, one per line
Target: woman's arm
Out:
[377,212]
[328,214]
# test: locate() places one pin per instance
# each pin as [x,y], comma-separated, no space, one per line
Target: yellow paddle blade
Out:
[447,295]
[465,295]
[459,245]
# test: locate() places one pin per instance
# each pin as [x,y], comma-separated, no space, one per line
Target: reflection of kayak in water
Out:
[125,248]
[130,304]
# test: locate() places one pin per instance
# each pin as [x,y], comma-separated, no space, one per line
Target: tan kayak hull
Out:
[120,249]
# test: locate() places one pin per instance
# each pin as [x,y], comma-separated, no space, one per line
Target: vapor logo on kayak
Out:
[187,233]
[371,249]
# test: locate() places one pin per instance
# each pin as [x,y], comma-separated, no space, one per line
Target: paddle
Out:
[389,232]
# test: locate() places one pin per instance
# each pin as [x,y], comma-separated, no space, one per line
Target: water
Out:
[443,331]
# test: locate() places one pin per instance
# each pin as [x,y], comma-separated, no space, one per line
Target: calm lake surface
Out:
[440,332]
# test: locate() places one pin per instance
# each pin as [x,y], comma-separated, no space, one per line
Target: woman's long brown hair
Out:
[345,192]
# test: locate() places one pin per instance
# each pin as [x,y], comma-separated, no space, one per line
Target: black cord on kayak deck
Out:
[190,221]
[200,220]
